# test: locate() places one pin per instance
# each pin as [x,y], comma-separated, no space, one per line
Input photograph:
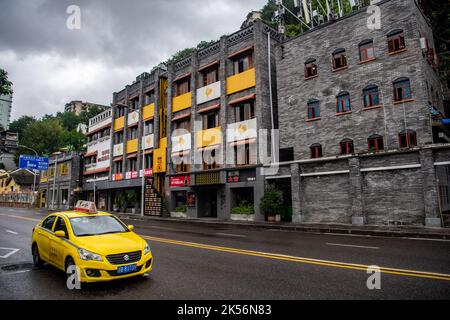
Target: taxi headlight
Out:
[87,255]
[147,249]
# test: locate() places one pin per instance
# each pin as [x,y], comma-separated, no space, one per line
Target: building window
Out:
[120,111]
[407,139]
[208,162]
[210,76]
[396,41]
[183,86]
[376,143]
[148,161]
[135,104]
[132,133]
[371,96]
[402,90]
[242,64]
[148,127]
[347,147]
[64,197]
[313,109]
[210,120]
[339,59]
[63,169]
[316,151]
[245,154]
[245,111]
[343,102]
[366,51]
[149,97]
[183,124]
[132,165]
[310,68]
[182,167]
[118,167]
[118,137]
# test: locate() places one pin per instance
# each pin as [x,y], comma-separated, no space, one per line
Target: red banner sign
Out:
[180,181]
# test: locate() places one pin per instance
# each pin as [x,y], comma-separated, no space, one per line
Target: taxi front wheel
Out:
[37,262]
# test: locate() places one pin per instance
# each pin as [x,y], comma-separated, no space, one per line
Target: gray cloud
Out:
[50,64]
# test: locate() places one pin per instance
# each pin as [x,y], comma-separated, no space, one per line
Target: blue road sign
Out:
[33,163]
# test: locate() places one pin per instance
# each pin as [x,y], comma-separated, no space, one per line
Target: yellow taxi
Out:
[96,244]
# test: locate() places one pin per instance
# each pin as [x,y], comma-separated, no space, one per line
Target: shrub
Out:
[243,209]
[272,201]
[182,208]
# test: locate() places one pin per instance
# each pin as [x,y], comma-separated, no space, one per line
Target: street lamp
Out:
[141,119]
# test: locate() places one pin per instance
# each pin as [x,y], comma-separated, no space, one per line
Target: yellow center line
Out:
[328,263]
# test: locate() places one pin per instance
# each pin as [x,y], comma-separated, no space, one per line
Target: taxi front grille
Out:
[124,258]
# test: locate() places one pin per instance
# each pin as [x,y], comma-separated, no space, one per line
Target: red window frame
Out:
[313,109]
[405,86]
[183,86]
[364,49]
[311,69]
[316,151]
[210,75]
[341,57]
[340,103]
[378,143]
[347,147]
[396,42]
[410,137]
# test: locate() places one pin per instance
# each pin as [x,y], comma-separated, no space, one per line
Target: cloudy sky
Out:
[50,64]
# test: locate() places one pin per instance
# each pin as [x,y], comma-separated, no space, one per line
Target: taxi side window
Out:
[48,223]
[61,226]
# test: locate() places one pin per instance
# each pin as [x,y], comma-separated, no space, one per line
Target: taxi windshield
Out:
[96,225]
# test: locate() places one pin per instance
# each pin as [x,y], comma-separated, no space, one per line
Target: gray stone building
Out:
[60,186]
[5,110]
[355,122]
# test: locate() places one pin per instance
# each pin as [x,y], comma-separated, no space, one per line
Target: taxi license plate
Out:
[126,269]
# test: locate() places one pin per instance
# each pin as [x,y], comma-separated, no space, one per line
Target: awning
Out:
[206,109]
[132,155]
[216,146]
[209,65]
[89,172]
[181,153]
[148,151]
[238,100]
[181,77]
[99,129]
[90,154]
[242,142]
[117,159]
[181,117]
[149,89]
[237,53]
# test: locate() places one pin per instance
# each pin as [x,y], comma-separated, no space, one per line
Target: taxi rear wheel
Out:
[37,262]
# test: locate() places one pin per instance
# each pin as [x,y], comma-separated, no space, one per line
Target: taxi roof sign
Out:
[86,206]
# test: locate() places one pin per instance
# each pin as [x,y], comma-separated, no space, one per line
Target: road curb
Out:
[376,231]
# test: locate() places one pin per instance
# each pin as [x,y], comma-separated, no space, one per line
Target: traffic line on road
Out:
[12,232]
[20,217]
[328,263]
[10,253]
[351,246]
[230,235]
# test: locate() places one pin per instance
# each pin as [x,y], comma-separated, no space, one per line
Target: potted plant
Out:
[243,212]
[179,212]
[131,200]
[271,203]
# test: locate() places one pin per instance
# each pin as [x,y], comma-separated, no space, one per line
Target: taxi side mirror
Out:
[131,227]
[60,234]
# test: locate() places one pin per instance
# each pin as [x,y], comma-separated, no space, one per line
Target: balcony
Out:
[148,142]
[182,102]
[133,118]
[148,112]
[241,81]
[208,93]
[209,137]
[118,150]
[132,146]
[119,124]
[181,143]
[242,130]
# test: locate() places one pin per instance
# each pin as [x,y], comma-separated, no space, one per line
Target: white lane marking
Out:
[164,228]
[12,232]
[12,251]
[351,246]
[231,235]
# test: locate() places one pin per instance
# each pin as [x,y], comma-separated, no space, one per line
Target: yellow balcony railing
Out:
[132,146]
[148,111]
[241,81]
[119,123]
[209,137]
[182,102]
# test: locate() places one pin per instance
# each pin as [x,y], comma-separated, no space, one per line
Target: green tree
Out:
[89,112]
[45,136]
[73,140]
[69,120]
[19,125]
[5,84]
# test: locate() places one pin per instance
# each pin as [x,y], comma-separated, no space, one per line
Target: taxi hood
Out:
[114,243]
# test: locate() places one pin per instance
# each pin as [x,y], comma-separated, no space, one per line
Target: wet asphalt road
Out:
[214,268]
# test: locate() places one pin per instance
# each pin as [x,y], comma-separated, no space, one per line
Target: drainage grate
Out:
[17,267]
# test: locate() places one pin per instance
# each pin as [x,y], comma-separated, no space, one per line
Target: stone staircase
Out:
[154,203]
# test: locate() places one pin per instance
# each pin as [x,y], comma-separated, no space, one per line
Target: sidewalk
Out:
[367,230]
